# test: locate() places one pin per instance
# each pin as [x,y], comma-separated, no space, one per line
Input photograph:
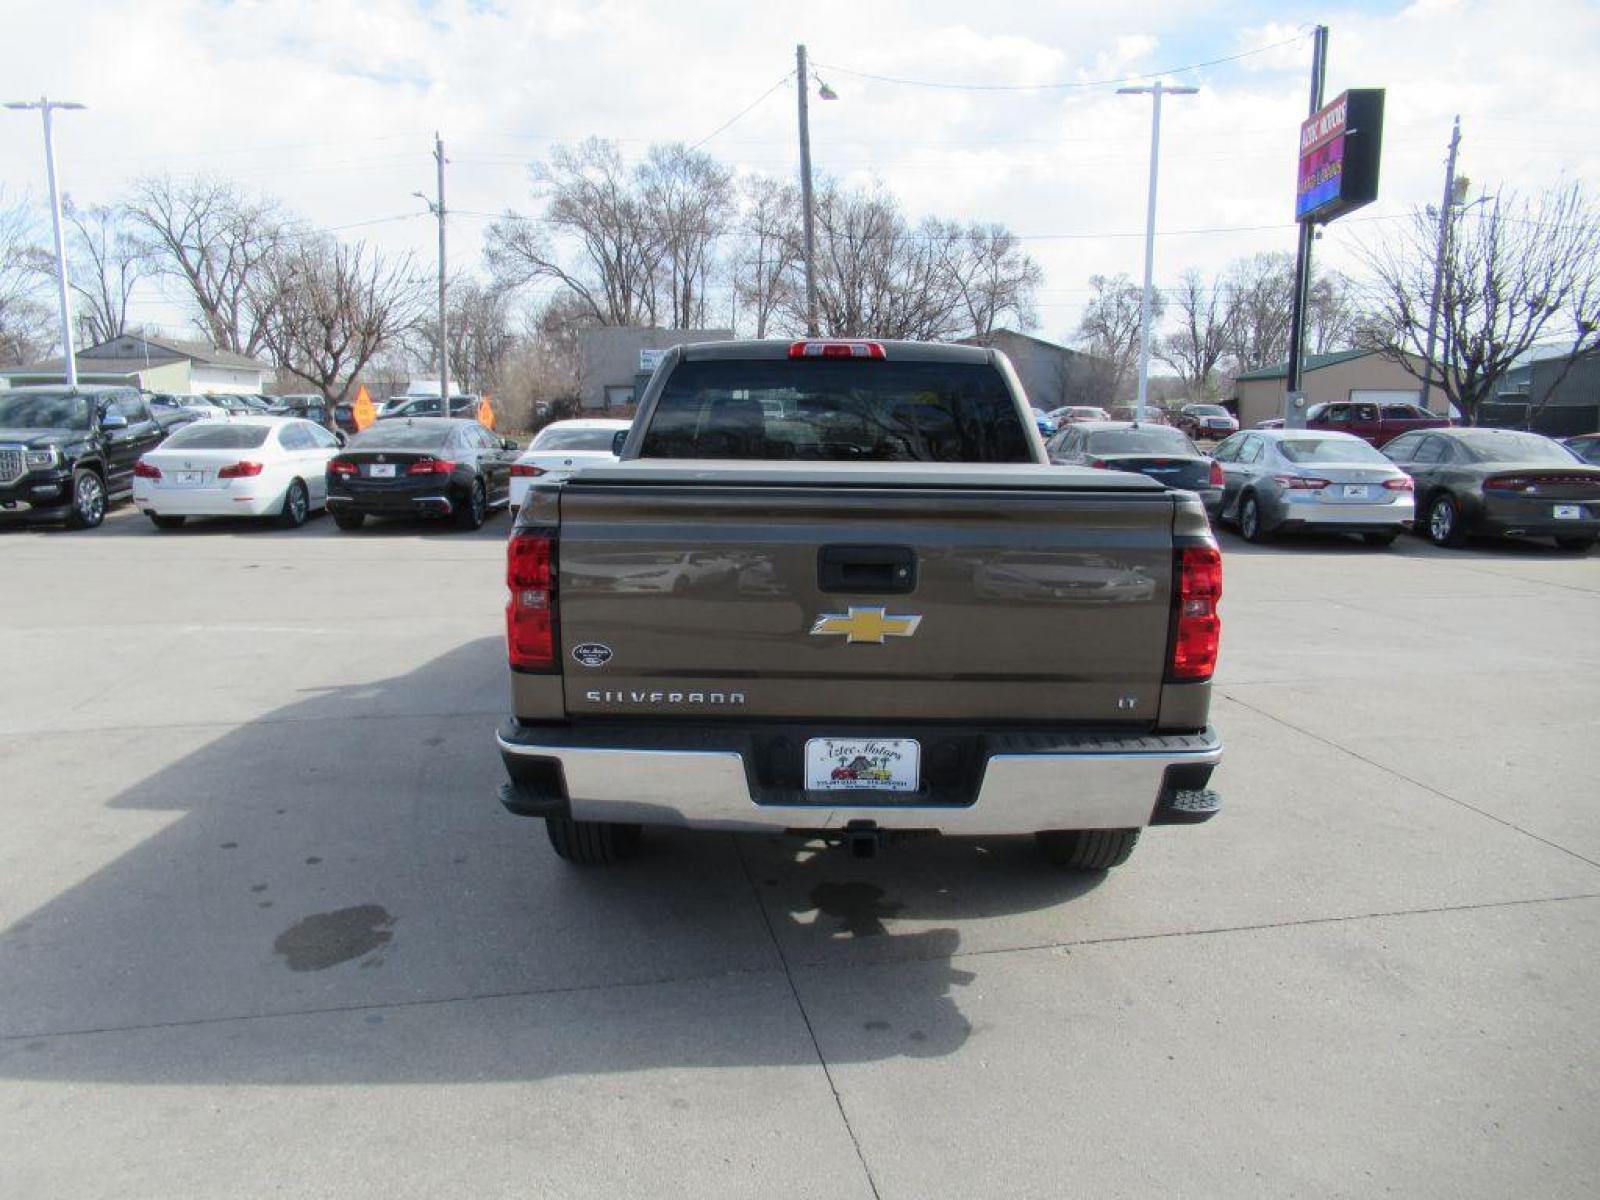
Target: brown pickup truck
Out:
[835,588]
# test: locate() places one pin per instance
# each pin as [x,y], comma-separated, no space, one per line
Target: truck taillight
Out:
[836,350]
[1199,632]
[531,606]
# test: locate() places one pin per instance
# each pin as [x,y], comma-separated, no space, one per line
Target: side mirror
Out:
[338,436]
[510,444]
[619,440]
[112,420]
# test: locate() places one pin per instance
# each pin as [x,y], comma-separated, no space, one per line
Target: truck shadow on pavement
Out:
[331,893]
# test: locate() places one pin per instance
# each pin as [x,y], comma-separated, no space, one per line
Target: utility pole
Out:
[1293,416]
[803,82]
[1155,91]
[1446,206]
[437,209]
[46,107]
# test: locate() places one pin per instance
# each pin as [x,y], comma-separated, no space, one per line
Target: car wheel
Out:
[1444,522]
[349,521]
[592,843]
[296,506]
[1087,849]
[161,522]
[1250,527]
[471,514]
[1575,545]
[1379,540]
[88,500]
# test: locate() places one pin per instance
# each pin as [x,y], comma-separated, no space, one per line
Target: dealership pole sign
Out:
[1340,145]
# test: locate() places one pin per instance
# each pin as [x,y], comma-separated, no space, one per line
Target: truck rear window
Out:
[837,411]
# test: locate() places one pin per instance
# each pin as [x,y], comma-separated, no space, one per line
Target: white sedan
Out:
[564,447]
[244,467]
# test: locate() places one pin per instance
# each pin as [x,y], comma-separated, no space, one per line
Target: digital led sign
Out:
[1340,146]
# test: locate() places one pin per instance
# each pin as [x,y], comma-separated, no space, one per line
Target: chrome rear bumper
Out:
[1079,782]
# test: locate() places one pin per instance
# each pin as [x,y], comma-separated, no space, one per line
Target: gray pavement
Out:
[264,930]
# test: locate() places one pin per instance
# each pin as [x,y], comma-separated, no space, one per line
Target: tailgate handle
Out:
[867,570]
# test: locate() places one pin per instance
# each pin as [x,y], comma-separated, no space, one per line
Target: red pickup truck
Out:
[1377,423]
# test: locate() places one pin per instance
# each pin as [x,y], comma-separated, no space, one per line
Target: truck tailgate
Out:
[883,595]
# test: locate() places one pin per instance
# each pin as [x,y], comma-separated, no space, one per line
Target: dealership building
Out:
[1348,375]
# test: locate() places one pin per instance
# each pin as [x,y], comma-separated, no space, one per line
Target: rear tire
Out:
[592,843]
[1087,849]
[1250,527]
[472,513]
[349,521]
[1444,522]
[161,522]
[296,506]
[1379,540]
[1575,545]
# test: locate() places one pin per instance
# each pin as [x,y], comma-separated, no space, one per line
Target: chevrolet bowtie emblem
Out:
[866,625]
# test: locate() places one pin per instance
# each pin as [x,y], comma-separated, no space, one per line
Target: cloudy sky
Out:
[332,104]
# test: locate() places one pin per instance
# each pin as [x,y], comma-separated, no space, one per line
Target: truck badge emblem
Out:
[867,625]
[592,654]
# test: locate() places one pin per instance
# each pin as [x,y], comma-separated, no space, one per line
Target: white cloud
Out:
[332,104]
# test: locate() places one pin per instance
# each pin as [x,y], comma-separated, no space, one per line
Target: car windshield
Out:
[1329,450]
[837,410]
[553,438]
[44,410]
[1508,445]
[402,436]
[1147,439]
[1207,410]
[217,435]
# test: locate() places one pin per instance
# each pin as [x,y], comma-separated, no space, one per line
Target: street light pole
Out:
[803,82]
[1155,91]
[46,107]
[437,209]
[1445,207]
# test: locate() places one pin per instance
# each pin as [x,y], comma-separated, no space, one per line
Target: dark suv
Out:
[66,453]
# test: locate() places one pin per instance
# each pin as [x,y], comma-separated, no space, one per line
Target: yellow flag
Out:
[362,409]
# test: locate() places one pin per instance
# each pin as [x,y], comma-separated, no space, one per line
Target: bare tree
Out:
[1332,314]
[1260,304]
[107,262]
[689,197]
[1195,348]
[1517,270]
[26,329]
[218,240]
[994,278]
[480,330]
[331,307]
[1109,332]
[768,254]
[595,237]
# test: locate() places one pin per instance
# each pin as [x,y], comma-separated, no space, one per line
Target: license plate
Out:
[188,478]
[1569,512]
[381,470]
[1355,491]
[862,764]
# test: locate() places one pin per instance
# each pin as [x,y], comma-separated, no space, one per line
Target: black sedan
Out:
[423,467]
[1159,451]
[1500,482]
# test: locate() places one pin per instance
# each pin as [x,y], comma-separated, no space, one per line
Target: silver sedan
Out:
[1278,480]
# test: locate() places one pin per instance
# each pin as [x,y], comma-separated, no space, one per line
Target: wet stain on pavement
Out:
[312,861]
[258,887]
[860,908]
[325,940]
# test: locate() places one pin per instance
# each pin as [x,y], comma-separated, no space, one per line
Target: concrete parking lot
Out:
[264,929]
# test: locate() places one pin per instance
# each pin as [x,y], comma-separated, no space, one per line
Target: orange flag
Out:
[486,413]
[362,409]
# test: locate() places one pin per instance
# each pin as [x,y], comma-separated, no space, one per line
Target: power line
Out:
[1051,87]
[788,75]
